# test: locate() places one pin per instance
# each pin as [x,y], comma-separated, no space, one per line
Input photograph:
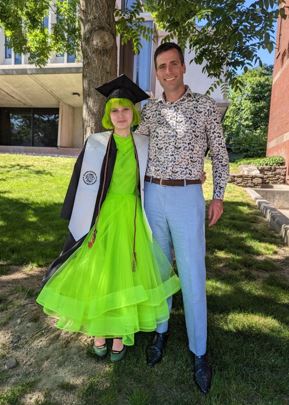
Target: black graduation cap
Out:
[122,87]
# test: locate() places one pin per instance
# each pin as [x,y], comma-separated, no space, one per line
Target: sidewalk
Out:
[38,151]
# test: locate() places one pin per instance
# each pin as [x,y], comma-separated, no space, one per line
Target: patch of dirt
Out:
[279,259]
[282,260]
[51,365]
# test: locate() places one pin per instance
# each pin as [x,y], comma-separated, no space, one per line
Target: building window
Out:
[17,58]
[8,50]
[127,4]
[70,58]
[45,127]
[143,62]
[29,126]
[45,22]
[59,19]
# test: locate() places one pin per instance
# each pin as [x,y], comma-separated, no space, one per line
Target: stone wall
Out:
[266,175]
[273,174]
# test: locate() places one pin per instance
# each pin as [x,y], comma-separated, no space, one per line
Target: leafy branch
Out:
[130,25]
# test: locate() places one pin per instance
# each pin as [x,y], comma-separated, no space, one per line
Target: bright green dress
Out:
[98,291]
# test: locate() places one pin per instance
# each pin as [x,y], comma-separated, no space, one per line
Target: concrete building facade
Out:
[278,132]
[42,107]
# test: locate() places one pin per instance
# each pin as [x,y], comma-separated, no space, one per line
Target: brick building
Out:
[278,133]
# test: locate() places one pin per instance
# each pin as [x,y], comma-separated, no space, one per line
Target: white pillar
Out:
[65,126]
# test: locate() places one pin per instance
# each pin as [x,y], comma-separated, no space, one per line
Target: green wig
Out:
[119,102]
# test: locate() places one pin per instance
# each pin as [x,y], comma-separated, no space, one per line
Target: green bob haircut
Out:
[115,103]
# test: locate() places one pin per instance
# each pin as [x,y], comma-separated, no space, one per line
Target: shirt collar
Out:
[188,93]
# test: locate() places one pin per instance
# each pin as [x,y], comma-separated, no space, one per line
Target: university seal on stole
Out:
[89,177]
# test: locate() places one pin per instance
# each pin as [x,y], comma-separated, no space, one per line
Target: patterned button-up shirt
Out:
[180,133]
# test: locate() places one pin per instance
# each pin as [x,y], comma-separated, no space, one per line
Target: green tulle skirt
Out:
[97,291]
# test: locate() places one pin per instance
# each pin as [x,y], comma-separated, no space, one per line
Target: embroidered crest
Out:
[89,177]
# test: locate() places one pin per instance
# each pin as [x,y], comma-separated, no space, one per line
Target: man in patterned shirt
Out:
[181,126]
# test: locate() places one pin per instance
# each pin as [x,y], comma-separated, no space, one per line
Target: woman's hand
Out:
[203,178]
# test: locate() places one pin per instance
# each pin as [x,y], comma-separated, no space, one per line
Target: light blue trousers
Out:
[177,219]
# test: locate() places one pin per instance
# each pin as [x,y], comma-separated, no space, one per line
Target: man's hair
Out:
[115,103]
[167,46]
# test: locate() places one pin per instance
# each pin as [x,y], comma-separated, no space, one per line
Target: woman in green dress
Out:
[117,282]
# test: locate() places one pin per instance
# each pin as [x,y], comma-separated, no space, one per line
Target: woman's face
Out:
[121,117]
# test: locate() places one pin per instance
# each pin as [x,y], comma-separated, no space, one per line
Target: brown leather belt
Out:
[168,182]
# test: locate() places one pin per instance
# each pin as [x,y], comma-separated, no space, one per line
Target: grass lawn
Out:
[248,308]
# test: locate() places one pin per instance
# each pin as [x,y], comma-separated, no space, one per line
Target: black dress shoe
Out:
[155,350]
[203,373]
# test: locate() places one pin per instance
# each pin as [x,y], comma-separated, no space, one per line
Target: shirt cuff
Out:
[219,193]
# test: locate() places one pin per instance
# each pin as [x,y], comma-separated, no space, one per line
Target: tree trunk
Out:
[99,53]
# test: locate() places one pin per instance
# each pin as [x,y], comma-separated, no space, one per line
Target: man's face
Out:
[170,71]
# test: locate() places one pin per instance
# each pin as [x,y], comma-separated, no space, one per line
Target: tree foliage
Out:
[23,23]
[86,28]
[224,35]
[246,120]
[130,25]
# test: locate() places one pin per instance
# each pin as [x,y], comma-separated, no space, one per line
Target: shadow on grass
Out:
[33,233]
[30,233]
[242,240]
[24,169]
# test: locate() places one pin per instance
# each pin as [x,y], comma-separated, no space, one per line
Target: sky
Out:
[266,57]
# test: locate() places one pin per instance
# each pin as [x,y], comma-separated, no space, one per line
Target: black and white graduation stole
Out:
[89,180]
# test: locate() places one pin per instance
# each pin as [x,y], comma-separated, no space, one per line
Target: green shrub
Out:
[272,161]
[266,161]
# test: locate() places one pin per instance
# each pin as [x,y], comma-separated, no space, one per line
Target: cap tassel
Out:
[134,262]
[92,240]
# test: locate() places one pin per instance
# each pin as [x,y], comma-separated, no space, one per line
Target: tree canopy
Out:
[224,35]
[24,25]
[246,120]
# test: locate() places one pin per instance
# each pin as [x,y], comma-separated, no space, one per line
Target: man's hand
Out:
[215,211]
